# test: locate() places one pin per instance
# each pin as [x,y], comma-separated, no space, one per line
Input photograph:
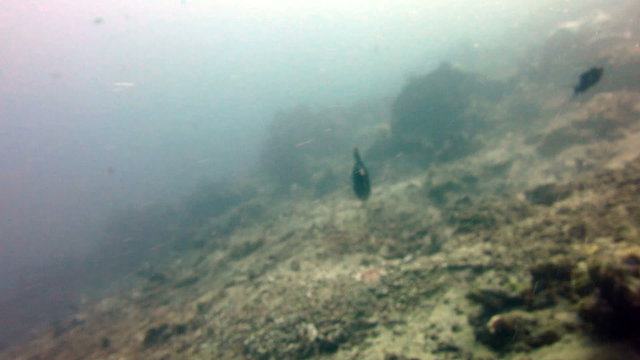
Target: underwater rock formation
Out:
[468,259]
[304,145]
[508,322]
[546,194]
[439,112]
[614,308]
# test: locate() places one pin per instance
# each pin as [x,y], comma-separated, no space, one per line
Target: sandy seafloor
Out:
[532,253]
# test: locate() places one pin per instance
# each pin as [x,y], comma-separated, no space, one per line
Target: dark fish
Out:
[588,79]
[360,177]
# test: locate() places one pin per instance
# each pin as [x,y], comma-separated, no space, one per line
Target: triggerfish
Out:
[588,79]
[360,177]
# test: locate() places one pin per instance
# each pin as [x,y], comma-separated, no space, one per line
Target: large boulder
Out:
[441,111]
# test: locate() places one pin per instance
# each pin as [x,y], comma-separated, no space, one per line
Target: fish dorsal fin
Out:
[356,155]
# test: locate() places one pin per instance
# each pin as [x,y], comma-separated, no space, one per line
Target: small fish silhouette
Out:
[360,177]
[588,79]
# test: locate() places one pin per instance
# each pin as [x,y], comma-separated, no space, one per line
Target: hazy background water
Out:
[108,104]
